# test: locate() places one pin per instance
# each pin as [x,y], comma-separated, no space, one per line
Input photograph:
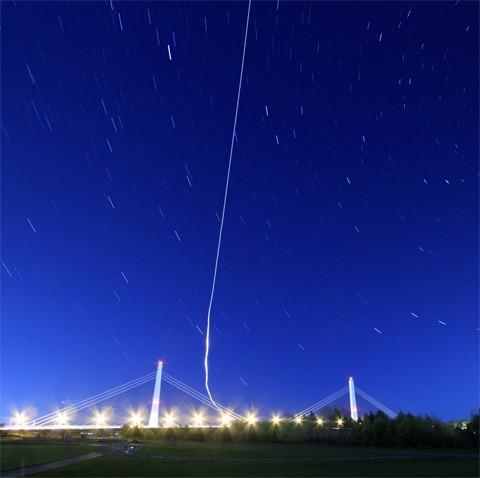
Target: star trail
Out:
[350,235]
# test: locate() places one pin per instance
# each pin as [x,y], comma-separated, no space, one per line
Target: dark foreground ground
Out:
[270,460]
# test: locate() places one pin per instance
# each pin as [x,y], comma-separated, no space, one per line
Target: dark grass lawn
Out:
[258,460]
[18,455]
[269,450]
[241,450]
[126,466]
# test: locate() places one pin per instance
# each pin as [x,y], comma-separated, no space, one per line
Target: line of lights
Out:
[64,417]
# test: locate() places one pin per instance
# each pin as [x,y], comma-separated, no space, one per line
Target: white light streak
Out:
[207,339]
[6,268]
[60,21]
[31,75]
[31,225]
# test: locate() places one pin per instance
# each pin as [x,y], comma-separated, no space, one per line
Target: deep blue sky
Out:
[350,243]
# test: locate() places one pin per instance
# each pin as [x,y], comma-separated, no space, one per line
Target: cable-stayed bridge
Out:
[174,403]
[349,395]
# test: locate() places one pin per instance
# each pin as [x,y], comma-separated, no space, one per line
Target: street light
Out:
[20,419]
[62,419]
[276,419]
[251,419]
[198,419]
[169,420]
[136,419]
[100,419]
[226,419]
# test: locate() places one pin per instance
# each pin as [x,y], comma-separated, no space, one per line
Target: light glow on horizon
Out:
[62,419]
[100,419]
[136,420]
[226,419]
[198,419]
[20,419]
[251,419]
[169,419]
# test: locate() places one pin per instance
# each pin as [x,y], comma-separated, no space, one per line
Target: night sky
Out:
[350,241]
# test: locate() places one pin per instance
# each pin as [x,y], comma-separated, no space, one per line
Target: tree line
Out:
[335,428]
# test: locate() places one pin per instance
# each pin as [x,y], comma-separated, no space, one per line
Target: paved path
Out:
[47,466]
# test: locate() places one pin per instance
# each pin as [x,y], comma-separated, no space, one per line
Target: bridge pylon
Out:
[153,422]
[353,401]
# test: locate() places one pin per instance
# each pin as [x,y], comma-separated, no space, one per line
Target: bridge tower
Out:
[153,422]
[353,401]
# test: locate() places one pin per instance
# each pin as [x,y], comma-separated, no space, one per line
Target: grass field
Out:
[15,455]
[251,460]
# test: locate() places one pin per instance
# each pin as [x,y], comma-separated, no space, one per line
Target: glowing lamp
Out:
[198,419]
[61,419]
[169,420]
[100,419]
[136,420]
[251,419]
[226,419]
[20,418]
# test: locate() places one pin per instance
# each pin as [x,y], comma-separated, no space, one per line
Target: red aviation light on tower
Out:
[160,362]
